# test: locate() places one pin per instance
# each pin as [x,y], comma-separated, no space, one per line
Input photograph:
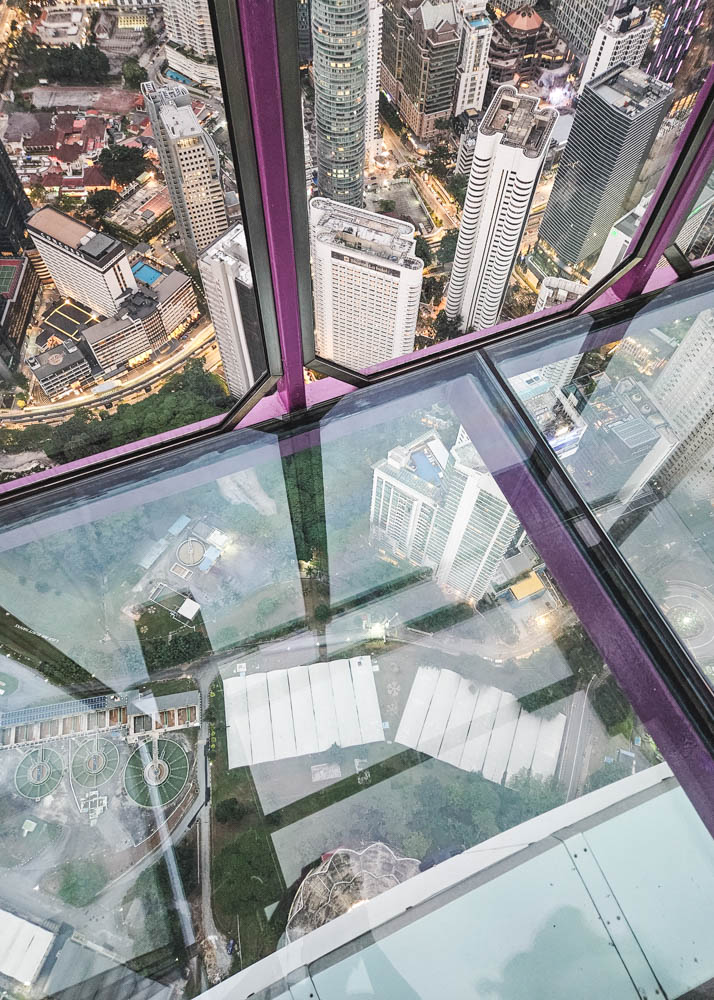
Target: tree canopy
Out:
[122,163]
[100,202]
[423,250]
[72,64]
[447,248]
[133,73]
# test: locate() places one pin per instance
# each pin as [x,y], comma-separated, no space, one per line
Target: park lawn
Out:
[19,849]
[8,684]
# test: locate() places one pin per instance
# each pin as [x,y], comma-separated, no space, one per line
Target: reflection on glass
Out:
[636,417]
[519,198]
[116,176]
[249,693]
[696,237]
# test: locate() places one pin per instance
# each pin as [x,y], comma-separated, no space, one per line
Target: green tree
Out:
[122,163]
[437,161]
[322,613]
[423,250]
[100,202]
[81,881]
[447,248]
[533,797]
[608,773]
[432,290]
[390,115]
[386,205]
[231,810]
[133,73]
[445,328]
[72,64]
[149,36]
[38,194]
[456,185]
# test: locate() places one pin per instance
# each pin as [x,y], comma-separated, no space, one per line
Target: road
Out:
[574,752]
[393,143]
[157,370]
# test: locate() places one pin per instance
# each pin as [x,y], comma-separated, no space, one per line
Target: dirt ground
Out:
[108,99]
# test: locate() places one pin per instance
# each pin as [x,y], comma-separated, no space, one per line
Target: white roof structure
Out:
[477,728]
[23,947]
[189,609]
[301,710]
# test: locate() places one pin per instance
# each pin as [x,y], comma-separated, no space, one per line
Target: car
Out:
[231,946]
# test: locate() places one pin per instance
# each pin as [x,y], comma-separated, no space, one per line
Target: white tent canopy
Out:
[23,947]
[477,728]
[301,710]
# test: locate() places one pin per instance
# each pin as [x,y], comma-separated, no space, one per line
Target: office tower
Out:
[304,31]
[475,31]
[511,144]
[374,64]
[14,207]
[366,284]
[394,30]
[523,47]
[444,510]
[228,286]
[680,23]
[431,52]
[189,160]
[576,22]
[621,39]
[339,42]
[85,265]
[594,179]
[467,141]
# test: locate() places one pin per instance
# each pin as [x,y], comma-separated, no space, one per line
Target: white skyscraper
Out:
[372,134]
[444,510]
[511,144]
[228,286]
[622,38]
[366,284]
[475,29]
[189,160]
[87,266]
[190,49]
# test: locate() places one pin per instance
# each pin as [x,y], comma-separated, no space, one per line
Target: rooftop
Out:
[628,89]
[522,123]
[524,19]
[96,247]
[367,232]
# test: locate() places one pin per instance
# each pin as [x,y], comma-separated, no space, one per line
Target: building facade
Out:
[576,22]
[394,30]
[429,61]
[14,207]
[340,42]
[188,25]
[372,134]
[366,284]
[228,286]
[523,47]
[443,510]
[622,38]
[85,265]
[304,29]
[511,145]
[595,178]
[19,283]
[189,160]
[475,31]
[680,23]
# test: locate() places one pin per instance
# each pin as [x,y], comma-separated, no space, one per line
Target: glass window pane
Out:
[629,416]
[247,689]
[442,203]
[696,237]
[128,306]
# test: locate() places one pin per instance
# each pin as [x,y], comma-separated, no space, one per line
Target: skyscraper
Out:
[444,510]
[374,65]
[523,48]
[511,144]
[304,29]
[680,23]
[14,207]
[189,160]
[339,39]
[621,39]
[366,284]
[228,285]
[431,52]
[394,29]
[595,177]
[87,266]
[576,21]
[475,31]
[190,49]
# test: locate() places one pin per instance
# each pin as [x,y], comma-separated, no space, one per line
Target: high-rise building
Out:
[85,265]
[339,41]
[555,291]
[189,160]
[475,29]
[621,39]
[467,141]
[394,30]
[19,285]
[366,284]
[429,60]
[511,144]
[523,47]
[595,177]
[444,510]
[372,134]
[228,286]
[304,31]
[190,49]
[576,22]
[14,207]
[681,21]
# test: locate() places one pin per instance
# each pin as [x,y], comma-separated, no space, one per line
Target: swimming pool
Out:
[173,75]
[145,272]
